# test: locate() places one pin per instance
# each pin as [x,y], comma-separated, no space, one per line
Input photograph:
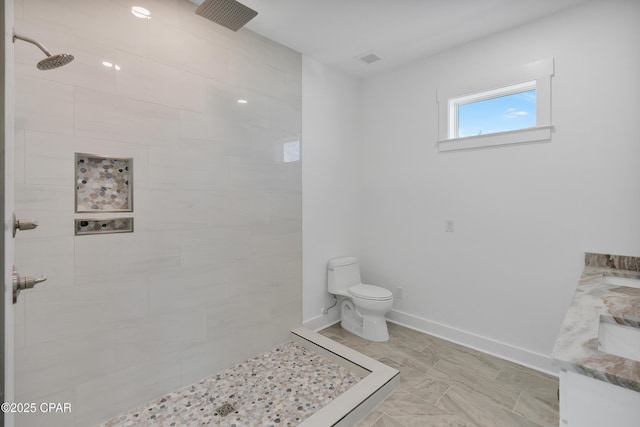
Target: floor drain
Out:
[225,409]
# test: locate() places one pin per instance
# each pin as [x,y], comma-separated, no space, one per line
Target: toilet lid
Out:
[370,292]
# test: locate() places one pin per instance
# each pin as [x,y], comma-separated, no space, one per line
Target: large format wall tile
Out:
[127,387]
[54,366]
[198,360]
[141,340]
[146,80]
[246,174]
[104,22]
[44,105]
[53,256]
[211,274]
[237,208]
[214,246]
[55,313]
[169,291]
[112,255]
[44,199]
[248,72]
[171,168]
[59,419]
[100,115]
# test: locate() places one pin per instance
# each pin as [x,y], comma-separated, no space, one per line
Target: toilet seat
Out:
[370,292]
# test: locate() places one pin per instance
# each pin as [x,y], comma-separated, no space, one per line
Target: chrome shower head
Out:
[51,61]
[228,13]
[54,61]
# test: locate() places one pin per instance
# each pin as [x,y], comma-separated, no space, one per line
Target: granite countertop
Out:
[576,347]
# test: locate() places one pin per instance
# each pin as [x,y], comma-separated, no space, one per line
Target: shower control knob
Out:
[22,283]
[27,224]
[23,224]
[29,282]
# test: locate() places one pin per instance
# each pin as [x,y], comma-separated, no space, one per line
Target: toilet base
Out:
[369,327]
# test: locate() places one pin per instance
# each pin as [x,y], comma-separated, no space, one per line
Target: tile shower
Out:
[211,276]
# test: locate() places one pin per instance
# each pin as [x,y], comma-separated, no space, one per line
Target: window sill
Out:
[532,134]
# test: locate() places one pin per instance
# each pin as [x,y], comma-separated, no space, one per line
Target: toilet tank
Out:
[342,273]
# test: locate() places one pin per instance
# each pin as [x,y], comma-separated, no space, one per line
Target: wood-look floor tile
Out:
[387,421]
[409,337]
[483,364]
[475,409]
[537,383]
[538,410]
[403,404]
[466,378]
[430,390]
[370,419]
[402,356]
[410,378]
[449,420]
[444,384]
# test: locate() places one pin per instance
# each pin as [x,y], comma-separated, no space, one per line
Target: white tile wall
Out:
[139,78]
[101,115]
[58,365]
[60,419]
[212,273]
[43,104]
[128,387]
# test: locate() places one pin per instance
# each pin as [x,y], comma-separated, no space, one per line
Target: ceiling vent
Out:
[369,57]
[228,13]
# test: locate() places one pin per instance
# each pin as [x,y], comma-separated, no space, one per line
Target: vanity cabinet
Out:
[587,402]
[597,348]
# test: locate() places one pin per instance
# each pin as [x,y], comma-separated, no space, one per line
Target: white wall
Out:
[211,276]
[523,214]
[330,203]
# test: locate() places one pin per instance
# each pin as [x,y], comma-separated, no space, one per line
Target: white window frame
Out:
[536,75]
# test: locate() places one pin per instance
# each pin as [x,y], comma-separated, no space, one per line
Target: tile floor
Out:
[444,384]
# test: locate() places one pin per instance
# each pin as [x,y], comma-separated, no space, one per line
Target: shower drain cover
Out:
[225,409]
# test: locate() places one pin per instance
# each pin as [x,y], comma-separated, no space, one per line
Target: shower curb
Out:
[354,404]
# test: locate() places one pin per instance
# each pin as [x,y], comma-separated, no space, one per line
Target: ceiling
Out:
[338,32]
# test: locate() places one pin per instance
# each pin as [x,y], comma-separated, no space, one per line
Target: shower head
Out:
[54,61]
[51,61]
[228,13]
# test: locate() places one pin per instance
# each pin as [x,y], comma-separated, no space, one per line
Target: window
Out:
[508,113]
[500,110]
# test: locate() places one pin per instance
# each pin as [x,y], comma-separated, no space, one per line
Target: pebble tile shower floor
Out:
[280,388]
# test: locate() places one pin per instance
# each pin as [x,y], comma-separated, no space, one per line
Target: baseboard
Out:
[323,321]
[530,359]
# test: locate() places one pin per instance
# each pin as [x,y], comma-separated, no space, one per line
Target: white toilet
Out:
[363,307]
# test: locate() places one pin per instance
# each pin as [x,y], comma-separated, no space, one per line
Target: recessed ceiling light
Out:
[141,12]
[242,101]
[117,67]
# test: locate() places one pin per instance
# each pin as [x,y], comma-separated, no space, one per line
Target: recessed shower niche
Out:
[103,184]
[85,226]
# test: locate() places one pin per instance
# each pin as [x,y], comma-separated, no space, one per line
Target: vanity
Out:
[598,347]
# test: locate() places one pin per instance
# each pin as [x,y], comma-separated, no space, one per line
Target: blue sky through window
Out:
[504,113]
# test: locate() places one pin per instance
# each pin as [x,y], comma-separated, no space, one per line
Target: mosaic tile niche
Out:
[103,183]
[103,226]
